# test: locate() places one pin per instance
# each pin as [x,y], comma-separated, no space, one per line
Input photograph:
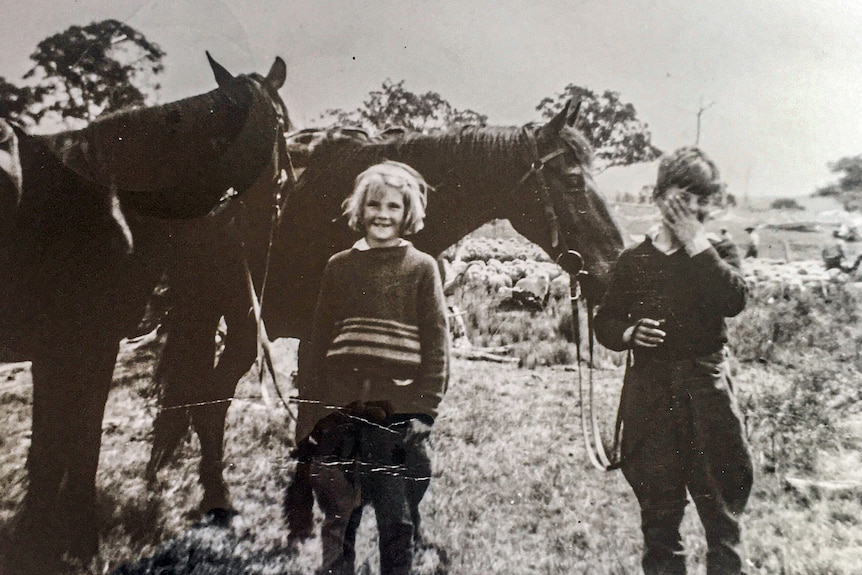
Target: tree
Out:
[87,70]
[394,107]
[611,125]
[848,188]
[786,204]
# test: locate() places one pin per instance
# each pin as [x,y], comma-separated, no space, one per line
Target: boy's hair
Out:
[688,168]
[395,176]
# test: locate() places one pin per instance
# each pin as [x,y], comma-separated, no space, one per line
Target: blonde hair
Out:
[389,175]
[688,168]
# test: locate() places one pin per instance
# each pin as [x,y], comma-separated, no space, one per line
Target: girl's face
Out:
[383,215]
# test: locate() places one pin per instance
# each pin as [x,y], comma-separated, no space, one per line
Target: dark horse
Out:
[536,176]
[88,245]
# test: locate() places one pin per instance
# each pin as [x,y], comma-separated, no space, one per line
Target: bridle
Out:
[285,177]
[573,263]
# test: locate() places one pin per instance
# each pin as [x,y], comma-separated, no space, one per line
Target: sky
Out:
[779,81]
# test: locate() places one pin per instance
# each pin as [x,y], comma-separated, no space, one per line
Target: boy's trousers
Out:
[682,431]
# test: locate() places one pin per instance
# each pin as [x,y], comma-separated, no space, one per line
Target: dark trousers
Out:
[683,432]
[360,463]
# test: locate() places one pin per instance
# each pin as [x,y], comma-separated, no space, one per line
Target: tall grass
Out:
[805,361]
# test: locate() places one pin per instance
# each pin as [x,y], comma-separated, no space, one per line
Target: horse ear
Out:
[222,76]
[572,118]
[277,74]
[559,121]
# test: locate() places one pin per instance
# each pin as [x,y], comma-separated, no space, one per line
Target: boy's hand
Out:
[680,219]
[645,333]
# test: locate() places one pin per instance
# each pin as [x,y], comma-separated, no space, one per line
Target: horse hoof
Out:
[219,516]
[216,496]
[296,538]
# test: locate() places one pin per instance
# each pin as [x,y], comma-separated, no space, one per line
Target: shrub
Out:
[786,204]
[793,415]
[795,405]
[776,329]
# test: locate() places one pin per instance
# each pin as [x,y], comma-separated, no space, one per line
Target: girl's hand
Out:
[417,431]
[646,333]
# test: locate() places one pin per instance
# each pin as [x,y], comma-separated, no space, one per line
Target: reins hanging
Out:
[264,350]
[593,442]
[572,262]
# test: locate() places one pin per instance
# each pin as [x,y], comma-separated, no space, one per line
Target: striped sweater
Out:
[381,312]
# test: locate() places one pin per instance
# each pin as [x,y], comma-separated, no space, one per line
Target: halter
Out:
[573,263]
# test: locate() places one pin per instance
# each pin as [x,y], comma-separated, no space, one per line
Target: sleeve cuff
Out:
[699,244]
[627,335]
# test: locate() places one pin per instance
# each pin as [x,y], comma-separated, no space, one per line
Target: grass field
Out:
[512,490]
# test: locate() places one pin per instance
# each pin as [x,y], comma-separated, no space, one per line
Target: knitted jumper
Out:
[381,313]
[692,294]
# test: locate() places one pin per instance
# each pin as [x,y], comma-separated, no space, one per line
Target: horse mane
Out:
[456,163]
[481,150]
[470,150]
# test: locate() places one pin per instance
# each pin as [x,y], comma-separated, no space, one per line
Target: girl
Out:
[379,366]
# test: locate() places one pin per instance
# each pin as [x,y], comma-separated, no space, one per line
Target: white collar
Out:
[362,244]
[660,240]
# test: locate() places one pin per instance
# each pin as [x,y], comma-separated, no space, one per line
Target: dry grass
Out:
[512,492]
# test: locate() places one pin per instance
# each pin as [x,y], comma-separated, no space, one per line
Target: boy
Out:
[682,431]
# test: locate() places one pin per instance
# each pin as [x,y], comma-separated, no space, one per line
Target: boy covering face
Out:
[682,431]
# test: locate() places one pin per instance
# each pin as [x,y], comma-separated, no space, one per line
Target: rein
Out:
[286,175]
[573,263]
[596,451]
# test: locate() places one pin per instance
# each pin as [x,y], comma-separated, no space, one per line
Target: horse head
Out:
[269,86]
[181,159]
[569,213]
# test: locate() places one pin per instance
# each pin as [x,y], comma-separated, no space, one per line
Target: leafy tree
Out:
[848,188]
[611,125]
[392,106]
[87,70]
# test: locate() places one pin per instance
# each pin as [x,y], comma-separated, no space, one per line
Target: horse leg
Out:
[36,545]
[209,418]
[172,420]
[299,497]
[185,371]
[58,513]
[77,501]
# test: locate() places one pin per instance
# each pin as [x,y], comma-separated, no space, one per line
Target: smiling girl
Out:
[379,369]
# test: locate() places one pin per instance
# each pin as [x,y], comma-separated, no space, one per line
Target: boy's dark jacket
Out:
[692,295]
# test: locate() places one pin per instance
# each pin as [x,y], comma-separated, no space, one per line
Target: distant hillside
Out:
[630,179]
[810,203]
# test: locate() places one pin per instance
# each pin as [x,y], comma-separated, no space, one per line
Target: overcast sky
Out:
[782,79]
